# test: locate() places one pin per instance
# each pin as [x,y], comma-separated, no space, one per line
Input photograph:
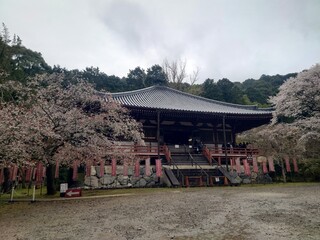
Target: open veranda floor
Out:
[277,211]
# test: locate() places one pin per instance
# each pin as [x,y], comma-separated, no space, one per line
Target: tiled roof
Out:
[160,97]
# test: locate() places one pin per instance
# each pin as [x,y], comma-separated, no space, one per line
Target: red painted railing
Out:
[206,152]
[234,152]
[136,149]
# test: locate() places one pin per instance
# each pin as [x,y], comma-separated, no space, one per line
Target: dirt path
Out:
[272,212]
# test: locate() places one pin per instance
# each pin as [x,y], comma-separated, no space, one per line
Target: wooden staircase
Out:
[197,169]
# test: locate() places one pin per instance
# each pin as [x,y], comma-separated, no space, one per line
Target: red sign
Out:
[73,192]
[158,168]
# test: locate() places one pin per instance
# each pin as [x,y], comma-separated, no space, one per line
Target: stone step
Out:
[172,178]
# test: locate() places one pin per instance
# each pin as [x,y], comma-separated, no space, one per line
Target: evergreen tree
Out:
[155,76]
[211,90]
[136,78]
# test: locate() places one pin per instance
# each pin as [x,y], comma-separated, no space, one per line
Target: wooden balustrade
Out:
[208,152]
[235,152]
[137,149]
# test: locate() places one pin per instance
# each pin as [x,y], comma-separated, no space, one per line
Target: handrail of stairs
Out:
[197,165]
[214,161]
[178,171]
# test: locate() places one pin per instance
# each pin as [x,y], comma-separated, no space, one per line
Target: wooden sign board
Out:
[73,192]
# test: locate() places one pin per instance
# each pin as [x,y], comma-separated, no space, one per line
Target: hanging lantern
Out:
[264,167]
[246,167]
[238,165]
[114,167]
[137,168]
[158,168]
[287,162]
[255,165]
[147,167]
[271,164]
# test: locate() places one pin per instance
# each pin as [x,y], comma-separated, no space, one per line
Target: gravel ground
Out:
[266,212]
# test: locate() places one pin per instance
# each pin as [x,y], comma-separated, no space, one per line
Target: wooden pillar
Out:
[225,140]
[158,132]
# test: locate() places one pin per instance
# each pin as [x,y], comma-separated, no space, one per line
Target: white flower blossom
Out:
[55,118]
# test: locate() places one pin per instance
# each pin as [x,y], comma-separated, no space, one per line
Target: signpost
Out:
[73,192]
[63,189]
[69,192]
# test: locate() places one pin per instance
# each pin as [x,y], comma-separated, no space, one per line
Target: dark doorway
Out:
[176,137]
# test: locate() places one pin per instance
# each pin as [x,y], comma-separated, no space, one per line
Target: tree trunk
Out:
[51,190]
[283,172]
[7,182]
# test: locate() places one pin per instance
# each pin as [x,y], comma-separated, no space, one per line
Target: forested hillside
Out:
[18,63]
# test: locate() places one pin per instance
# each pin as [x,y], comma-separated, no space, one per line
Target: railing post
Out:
[187,181]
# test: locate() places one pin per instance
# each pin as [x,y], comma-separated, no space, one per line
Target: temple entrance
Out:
[180,137]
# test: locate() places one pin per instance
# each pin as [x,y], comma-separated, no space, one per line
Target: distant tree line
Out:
[19,63]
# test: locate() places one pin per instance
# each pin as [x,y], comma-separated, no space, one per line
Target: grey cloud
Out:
[233,39]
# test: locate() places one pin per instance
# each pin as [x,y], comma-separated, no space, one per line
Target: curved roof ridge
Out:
[141,90]
[253,107]
[164,97]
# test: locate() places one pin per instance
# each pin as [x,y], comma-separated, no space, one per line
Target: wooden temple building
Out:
[188,141]
[193,136]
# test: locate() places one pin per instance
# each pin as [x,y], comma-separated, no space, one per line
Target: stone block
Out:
[134,180]
[140,183]
[246,181]
[107,180]
[91,181]
[130,171]
[97,169]
[107,169]
[93,171]
[123,180]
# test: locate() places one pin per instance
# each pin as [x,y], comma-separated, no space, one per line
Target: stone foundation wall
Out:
[120,181]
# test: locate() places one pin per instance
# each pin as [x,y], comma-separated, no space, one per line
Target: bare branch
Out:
[194,76]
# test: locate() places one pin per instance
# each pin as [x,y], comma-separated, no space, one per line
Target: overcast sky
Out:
[232,39]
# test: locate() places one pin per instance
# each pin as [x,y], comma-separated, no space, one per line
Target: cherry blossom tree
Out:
[278,141]
[298,102]
[66,120]
[296,119]
[299,97]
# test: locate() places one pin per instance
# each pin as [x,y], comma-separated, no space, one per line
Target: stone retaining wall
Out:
[120,181]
